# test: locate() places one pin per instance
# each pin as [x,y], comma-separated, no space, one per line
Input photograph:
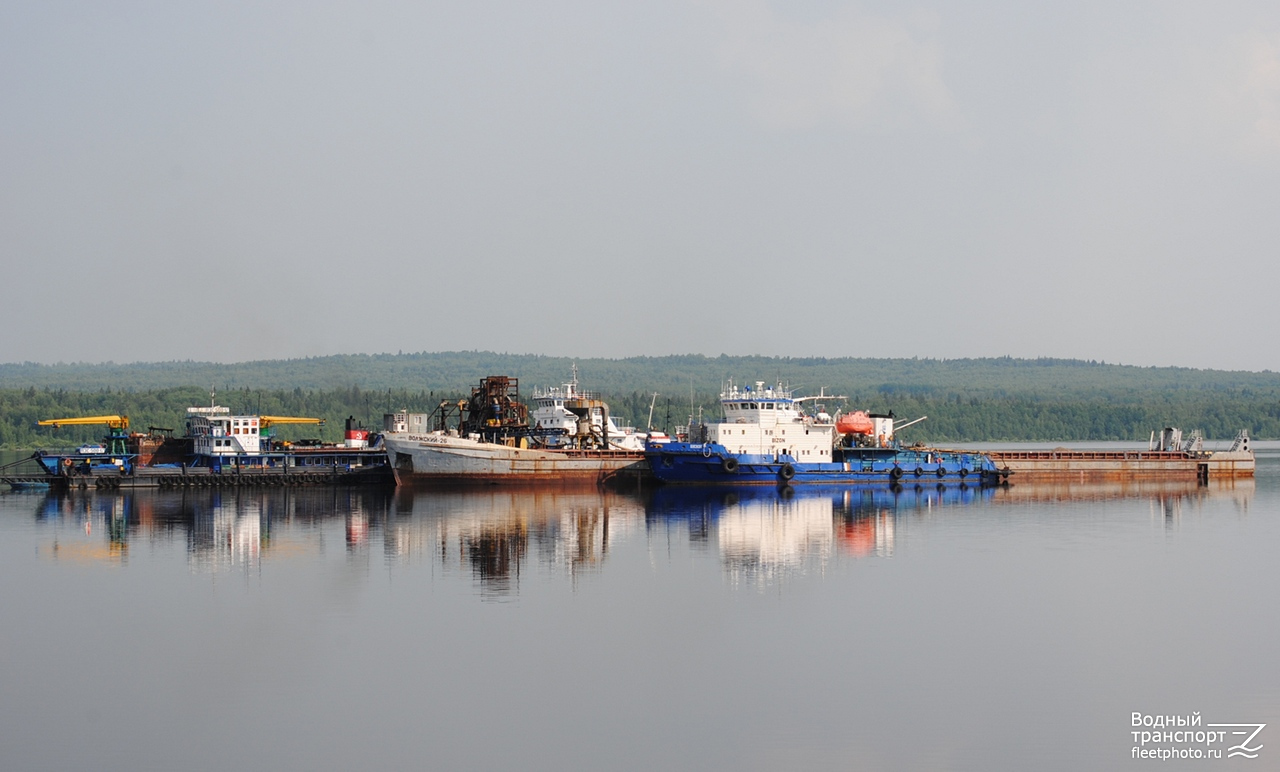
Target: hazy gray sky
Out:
[236,181]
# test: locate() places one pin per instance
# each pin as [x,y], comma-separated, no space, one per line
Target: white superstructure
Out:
[215,432]
[768,421]
[579,414]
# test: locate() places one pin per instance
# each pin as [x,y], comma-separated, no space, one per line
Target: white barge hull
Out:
[440,458]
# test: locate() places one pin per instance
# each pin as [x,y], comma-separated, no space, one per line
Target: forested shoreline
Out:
[966,400]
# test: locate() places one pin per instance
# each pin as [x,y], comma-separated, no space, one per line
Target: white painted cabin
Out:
[550,412]
[769,422]
[215,432]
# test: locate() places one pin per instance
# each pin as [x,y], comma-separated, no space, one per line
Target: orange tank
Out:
[857,422]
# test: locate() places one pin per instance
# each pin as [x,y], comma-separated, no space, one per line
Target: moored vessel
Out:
[1168,457]
[488,439]
[767,437]
[218,449]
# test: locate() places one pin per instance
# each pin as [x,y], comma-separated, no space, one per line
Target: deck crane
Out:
[267,421]
[116,440]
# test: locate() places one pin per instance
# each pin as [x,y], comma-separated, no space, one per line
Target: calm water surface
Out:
[835,629]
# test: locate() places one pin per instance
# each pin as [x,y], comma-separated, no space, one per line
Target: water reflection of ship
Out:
[1169,499]
[228,531]
[763,538]
[1240,489]
[111,515]
[222,529]
[235,529]
[495,534]
[763,533]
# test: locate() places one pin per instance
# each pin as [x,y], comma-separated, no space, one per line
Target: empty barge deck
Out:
[1064,465]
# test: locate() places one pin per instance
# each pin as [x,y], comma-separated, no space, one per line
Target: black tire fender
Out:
[787,471]
[729,464]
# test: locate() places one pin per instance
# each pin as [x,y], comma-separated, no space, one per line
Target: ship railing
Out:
[1092,455]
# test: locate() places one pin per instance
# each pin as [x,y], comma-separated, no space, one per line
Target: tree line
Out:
[953,415]
[966,399]
[674,376]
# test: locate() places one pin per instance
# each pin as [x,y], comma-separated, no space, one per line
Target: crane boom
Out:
[268,420]
[114,421]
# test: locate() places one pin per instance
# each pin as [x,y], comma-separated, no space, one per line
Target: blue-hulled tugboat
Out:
[767,437]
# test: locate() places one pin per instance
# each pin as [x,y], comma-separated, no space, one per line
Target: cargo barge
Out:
[1167,457]
[488,439]
[218,450]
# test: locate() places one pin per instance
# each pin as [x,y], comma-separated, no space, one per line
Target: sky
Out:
[235,181]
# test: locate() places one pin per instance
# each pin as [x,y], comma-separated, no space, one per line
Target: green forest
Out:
[965,399]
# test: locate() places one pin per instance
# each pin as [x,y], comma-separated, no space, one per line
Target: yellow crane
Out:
[113,421]
[268,420]
[118,424]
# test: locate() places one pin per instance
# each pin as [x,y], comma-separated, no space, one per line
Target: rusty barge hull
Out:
[440,459]
[1121,465]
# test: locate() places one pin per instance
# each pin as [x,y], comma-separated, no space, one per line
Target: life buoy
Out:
[729,464]
[942,471]
[787,471]
[919,471]
[896,473]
